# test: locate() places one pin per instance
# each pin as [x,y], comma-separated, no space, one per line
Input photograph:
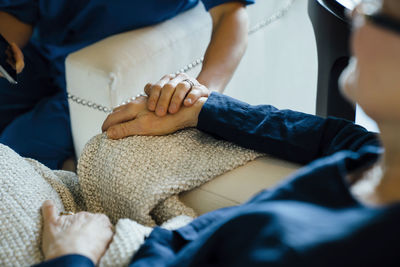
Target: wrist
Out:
[212,83]
[61,250]
[192,113]
[197,109]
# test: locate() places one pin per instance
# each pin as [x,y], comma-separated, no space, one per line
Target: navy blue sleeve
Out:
[290,135]
[259,242]
[67,261]
[208,4]
[26,11]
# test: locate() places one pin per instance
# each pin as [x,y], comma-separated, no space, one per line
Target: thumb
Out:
[18,56]
[49,212]
[124,129]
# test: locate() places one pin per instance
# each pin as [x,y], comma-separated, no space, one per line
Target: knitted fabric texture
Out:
[25,185]
[128,238]
[139,177]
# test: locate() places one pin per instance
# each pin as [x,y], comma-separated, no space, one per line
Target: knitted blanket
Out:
[24,185]
[137,178]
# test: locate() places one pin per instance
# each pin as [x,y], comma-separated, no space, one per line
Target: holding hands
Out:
[158,114]
[135,119]
[171,91]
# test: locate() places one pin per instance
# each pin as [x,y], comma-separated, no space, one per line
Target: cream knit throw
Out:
[24,185]
[139,177]
[111,171]
[128,238]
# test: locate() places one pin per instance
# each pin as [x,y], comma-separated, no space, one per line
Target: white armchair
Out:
[109,72]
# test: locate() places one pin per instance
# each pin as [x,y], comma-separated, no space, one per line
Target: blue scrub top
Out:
[64,26]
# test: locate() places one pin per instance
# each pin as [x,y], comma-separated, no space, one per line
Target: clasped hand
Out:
[173,91]
[148,115]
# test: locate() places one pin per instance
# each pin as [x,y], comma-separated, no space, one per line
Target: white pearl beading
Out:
[262,24]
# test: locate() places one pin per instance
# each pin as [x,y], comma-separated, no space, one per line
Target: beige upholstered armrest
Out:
[238,185]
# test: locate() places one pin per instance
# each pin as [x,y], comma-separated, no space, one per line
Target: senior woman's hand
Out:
[135,119]
[172,91]
[83,233]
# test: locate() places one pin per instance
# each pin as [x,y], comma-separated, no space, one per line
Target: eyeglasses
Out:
[371,10]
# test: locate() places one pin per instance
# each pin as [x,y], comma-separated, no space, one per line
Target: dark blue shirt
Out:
[311,219]
[64,26]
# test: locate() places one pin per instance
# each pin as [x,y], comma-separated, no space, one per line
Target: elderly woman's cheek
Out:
[348,80]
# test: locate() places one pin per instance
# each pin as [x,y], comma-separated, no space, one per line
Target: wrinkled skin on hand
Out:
[83,233]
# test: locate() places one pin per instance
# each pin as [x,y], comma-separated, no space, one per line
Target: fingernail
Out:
[48,203]
[111,133]
[160,110]
[152,105]
[188,101]
[172,107]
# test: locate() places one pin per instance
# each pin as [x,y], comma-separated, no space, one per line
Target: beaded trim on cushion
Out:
[260,25]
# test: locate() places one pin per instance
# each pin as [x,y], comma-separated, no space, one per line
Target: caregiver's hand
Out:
[15,58]
[171,91]
[135,119]
[83,233]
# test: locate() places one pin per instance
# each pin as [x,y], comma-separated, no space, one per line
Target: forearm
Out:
[286,134]
[227,46]
[14,30]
